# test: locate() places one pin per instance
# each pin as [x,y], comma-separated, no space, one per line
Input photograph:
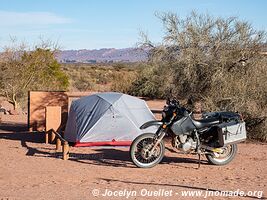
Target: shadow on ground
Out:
[12,127]
[121,158]
[100,156]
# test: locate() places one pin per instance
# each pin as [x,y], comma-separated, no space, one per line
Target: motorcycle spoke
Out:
[145,143]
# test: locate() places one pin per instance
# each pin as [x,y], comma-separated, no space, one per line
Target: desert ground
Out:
[31,169]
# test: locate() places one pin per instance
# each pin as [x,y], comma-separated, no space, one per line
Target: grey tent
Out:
[106,119]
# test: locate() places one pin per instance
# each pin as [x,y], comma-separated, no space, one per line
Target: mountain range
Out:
[105,55]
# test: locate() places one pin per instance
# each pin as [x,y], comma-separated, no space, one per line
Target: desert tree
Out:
[218,59]
[23,69]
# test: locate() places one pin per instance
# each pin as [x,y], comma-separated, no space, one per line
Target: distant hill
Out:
[106,55]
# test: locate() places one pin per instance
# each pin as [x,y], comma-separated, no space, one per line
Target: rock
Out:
[6,105]
[2,110]
[14,112]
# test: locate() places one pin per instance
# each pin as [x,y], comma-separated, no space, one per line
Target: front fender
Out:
[151,123]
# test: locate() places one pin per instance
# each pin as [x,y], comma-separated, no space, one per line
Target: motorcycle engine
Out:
[183,142]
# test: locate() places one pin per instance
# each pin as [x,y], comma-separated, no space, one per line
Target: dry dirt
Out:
[30,169]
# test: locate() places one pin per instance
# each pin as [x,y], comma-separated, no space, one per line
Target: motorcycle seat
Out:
[202,123]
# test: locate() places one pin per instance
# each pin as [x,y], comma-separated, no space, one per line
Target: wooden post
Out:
[58,144]
[52,120]
[65,149]
[46,137]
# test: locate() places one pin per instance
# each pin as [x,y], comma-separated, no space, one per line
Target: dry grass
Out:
[99,77]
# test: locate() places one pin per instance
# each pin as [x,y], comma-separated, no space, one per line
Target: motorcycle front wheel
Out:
[227,155]
[140,151]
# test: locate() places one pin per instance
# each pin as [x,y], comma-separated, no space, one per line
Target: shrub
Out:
[218,59]
[24,69]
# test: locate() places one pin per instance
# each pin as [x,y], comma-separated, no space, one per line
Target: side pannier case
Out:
[233,132]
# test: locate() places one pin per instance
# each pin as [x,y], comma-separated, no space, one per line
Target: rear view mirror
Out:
[168,101]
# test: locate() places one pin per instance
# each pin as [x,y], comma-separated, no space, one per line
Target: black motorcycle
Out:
[215,135]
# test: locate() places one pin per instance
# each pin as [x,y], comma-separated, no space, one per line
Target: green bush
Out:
[22,70]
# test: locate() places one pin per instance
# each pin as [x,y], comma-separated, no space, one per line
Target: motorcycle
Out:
[215,135]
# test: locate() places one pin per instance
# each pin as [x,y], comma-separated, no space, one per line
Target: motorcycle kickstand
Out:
[198,148]
[198,161]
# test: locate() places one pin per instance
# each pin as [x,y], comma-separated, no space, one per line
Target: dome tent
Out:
[107,119]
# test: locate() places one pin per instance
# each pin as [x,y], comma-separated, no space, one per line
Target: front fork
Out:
[158,138]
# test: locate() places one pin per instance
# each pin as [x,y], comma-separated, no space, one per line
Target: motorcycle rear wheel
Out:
[140,149]
[228,154]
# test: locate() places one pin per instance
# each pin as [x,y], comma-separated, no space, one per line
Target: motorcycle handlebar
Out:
[173,102]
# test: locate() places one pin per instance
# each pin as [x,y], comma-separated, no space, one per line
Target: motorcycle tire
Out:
[139,148]
[226,157]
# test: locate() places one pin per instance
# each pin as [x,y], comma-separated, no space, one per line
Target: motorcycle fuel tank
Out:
[183,126]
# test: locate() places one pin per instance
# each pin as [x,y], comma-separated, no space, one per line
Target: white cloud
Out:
[31,18]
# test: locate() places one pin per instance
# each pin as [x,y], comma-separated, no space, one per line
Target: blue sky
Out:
[94,24]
